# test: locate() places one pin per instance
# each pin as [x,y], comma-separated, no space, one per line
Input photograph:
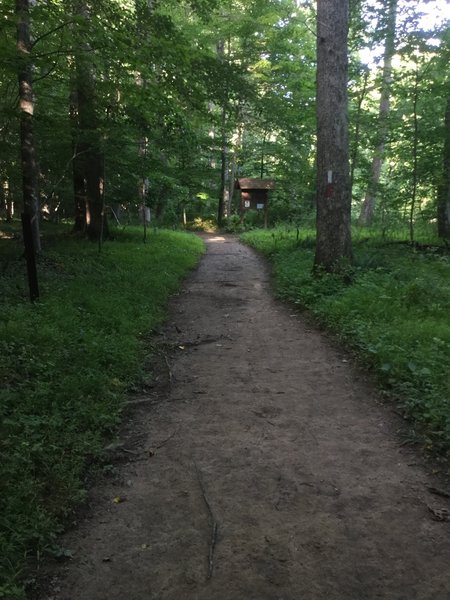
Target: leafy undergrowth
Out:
[392,308]
[66,363]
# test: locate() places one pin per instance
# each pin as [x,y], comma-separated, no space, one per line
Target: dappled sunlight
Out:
[218,239]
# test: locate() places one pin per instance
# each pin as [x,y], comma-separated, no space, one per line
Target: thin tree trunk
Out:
[144,12]
[78,178]
[333,244]
[443,205]
[8,200]
[234,164]
[354,156]
[368,206]
[231,184]
[263,148]
[224,158]
[415,156]
[224,174]
[143,185]
[26,103]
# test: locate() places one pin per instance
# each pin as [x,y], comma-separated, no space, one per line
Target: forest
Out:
[124,124]
[165,104]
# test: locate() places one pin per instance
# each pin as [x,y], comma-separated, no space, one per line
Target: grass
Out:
[392,309]
[67,363]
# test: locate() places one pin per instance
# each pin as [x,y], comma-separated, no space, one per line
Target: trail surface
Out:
[269,471]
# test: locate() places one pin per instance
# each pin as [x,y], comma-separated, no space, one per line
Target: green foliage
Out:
[392,308]
[67,362]
[165,101]
[233,224]
[198,224]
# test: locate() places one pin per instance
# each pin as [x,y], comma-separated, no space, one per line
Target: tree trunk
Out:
[354,154]
[262,158]
[223,184]
[415,143]
[333,245]
[8,201]
[26,103]
[78,179]
[224,162]
[144,12]
[443,205]
[89,147]
[234,164]
[224,197]
[368,206]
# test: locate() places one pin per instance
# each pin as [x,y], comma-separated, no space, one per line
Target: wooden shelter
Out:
[254,195]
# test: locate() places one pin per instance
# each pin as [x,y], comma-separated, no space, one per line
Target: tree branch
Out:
[53,67]
[47,33]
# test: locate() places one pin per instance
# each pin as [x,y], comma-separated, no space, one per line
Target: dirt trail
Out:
[279,475]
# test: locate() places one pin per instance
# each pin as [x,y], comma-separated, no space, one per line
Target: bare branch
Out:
[214,523]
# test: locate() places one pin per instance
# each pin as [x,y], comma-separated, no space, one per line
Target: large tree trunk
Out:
[443,206]
[333,246]
[26,103]
[89,148]
[368,206]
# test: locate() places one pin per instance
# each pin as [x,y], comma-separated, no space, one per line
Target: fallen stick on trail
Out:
[214,524]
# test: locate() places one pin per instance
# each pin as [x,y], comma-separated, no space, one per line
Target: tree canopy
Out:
[139,102]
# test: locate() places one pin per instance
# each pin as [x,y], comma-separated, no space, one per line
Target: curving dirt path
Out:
[270,471]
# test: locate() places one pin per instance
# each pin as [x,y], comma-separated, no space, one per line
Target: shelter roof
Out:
[247,183]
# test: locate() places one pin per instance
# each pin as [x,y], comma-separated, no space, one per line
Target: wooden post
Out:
[30,256]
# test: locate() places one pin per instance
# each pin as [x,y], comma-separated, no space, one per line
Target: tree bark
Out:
[234,163]
[333,245]
[78,178]
[354,154]
[8,201]
[26,103]
[89,147]
[224,159]
[415,144]
[368,206]
[443,205]
[224,196]
[144,12]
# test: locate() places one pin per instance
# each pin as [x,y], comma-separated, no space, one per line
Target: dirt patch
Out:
[270,470]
